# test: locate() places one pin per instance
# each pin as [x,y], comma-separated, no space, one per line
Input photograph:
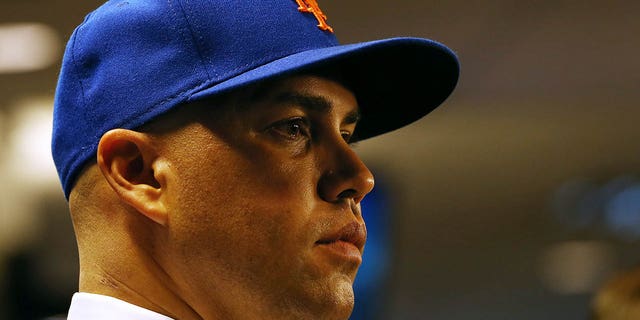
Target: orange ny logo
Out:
[311,6]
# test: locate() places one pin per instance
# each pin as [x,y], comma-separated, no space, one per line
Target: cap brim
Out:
[396,81]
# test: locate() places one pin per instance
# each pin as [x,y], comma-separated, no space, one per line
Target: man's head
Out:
[257,196]
[205,151]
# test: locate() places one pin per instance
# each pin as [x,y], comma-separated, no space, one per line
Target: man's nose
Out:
[344,176]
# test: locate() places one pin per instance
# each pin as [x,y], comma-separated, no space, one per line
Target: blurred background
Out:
[514,200]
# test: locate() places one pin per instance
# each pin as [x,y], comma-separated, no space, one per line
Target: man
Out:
[204,148]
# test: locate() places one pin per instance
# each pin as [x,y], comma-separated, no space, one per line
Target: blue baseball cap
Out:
[133,60]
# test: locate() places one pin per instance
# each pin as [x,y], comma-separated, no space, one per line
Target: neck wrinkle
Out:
[128,272]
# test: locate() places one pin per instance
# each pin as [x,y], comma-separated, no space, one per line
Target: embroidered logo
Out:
[311,6]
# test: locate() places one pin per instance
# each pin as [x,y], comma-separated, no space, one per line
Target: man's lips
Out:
[353,233]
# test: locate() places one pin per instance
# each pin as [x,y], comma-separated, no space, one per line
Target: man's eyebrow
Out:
[314,103]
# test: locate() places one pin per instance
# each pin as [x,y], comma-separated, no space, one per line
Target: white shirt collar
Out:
[92,306]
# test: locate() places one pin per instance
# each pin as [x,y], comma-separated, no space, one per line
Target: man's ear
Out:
[130,164]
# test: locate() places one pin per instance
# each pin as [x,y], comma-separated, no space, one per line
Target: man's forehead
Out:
[310,92]
[317,104]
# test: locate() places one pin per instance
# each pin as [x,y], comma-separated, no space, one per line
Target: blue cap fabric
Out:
[132,60]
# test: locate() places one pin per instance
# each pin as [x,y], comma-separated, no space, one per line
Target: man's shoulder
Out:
[100,307]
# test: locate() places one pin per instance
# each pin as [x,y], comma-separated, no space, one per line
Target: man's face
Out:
[263,199]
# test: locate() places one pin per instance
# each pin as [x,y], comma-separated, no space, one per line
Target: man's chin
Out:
[329,295]
[340,305]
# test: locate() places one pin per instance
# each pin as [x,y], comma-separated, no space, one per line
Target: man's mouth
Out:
[347,242]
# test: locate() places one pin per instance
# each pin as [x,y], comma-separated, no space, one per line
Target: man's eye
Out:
[346,136]
[291,129]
